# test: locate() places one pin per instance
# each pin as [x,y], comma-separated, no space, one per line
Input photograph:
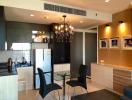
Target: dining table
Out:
[64,75]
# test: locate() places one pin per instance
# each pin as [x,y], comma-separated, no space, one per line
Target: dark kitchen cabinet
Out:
[2,29]
[61,52]
[21,32]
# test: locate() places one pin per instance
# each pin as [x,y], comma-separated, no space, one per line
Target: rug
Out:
[97,95]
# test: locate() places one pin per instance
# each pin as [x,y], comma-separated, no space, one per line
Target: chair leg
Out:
[85,89]
[58,94]
[54,95]
[74,91]
[81,89]
[68,93]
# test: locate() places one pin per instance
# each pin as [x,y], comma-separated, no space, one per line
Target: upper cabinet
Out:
[21,32]
[2,29]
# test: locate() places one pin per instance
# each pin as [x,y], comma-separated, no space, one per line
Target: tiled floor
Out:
[34,94]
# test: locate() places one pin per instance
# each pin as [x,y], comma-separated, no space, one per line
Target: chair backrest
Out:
[82,75]
[42,89]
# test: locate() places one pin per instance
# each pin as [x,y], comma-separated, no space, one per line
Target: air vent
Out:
[63,9]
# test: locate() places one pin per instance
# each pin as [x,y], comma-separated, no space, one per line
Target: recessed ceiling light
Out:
[46,17]
[81,21]
[107,1]
[31,15]
[131,3]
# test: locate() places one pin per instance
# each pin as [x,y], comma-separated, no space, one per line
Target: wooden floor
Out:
[34,95]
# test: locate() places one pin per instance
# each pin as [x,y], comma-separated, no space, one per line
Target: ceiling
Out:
[100,5]
[23,15]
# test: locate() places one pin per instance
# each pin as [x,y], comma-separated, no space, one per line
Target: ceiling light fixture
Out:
[63,31]
[121,22]
[81,21]
[31,15]
[46,17]
[107,1]
[107,25]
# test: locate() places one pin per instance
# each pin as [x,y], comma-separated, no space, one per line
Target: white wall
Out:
[61,67]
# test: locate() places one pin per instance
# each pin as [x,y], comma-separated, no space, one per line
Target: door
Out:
[90,50]
[76,52]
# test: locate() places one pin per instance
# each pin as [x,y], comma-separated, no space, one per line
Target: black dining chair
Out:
[81,78]
[46,88]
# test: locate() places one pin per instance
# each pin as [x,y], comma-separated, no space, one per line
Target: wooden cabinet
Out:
[121,78]
[2,29]
[111,77]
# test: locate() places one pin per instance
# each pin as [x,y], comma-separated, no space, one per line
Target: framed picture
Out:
[114,43]
[103,43]
[127,43]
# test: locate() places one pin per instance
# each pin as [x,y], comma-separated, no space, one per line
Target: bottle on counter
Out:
[9,64]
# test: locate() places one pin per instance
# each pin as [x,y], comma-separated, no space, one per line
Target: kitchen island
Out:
[111,77]
[8,85]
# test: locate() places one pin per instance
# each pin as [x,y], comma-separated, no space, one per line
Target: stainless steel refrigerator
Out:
[42,59]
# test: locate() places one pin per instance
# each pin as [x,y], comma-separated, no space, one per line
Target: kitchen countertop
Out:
[115,66]
[4,72]
[3,65]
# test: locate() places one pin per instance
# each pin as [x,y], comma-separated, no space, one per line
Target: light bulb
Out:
[56,27]
[33,36]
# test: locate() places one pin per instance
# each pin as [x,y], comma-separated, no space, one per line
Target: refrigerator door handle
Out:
[43,55]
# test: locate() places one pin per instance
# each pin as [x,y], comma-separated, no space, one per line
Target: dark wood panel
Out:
[76,52]
[61,52]
[90,50]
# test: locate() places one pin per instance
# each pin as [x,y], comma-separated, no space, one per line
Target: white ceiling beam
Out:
[85,30]
[38,5]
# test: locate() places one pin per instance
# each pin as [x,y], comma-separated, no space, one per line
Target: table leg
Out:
[63,87]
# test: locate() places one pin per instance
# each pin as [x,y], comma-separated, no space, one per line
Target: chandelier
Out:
[63,31]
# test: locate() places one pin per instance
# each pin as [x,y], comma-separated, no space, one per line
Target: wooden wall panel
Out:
[117,56]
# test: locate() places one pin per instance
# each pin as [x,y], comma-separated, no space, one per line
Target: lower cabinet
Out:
[9,87]
[25,78]
[111,77]
[121,78]
[102,75]
[62,67]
